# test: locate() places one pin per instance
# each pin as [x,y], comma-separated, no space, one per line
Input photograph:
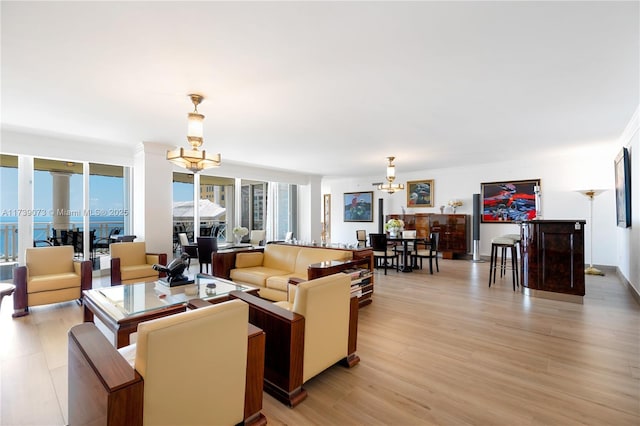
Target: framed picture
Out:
[327,216]
[358,206]
[420,193]
[623,188]
[509,201]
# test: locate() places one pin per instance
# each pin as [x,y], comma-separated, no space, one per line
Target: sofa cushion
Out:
[52,282]
[256,275]
[141,272]
[281,282]
[307,256]
[248,260]
[280,256]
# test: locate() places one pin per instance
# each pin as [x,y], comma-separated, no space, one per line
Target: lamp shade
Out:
[195,128]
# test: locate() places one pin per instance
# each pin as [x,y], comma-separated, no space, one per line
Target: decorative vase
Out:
[237,239]
[453,209]
[393,232]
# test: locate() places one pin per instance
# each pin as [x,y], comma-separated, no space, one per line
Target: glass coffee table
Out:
[121,308]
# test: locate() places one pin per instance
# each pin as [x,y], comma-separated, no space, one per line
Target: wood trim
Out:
[103,387]
[116,277]
[284,348]
[20,295]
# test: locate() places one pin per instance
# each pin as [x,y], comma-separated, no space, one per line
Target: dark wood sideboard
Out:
[453,229]
[553,259]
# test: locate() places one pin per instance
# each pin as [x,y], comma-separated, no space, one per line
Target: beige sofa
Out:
[271,269]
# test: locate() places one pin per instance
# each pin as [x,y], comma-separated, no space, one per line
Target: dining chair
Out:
[206,246]
[428,250]
[361,236]
[381,251]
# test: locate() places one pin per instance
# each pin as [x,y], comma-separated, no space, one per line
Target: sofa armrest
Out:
[20,294]
[103,387]
[284,351]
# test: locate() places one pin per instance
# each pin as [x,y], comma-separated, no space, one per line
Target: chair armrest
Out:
[159,258]
[103,387]
[116,277]
[85,269]
[284,347]
[20,294]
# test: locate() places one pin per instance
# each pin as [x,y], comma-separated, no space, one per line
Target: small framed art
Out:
[358,206]
[420,193]
[623,188]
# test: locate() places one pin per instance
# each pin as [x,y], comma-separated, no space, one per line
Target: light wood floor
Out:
[436,349]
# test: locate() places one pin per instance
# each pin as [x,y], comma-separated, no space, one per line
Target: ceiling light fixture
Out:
[391,187]
[192,159]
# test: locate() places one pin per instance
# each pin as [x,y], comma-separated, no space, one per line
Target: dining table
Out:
[407,266]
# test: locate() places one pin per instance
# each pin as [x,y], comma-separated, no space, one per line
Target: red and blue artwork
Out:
[509,201]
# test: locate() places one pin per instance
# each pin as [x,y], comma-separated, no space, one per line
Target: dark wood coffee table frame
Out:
[123,328]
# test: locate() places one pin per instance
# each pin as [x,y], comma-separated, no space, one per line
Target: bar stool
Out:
[503,243]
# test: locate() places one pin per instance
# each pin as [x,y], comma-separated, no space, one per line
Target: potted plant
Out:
[238,233]
[393,226]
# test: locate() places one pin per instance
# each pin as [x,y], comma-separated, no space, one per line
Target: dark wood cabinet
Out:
[453,230]
[553,256]
[454,233]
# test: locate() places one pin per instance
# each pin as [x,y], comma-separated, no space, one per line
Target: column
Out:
[60,191]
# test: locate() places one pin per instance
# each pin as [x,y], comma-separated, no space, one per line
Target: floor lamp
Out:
[591,193]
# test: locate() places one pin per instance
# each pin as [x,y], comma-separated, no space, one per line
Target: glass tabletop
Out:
[128,300]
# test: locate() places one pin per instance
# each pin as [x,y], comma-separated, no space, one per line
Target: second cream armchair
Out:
[130,263]
[306,336]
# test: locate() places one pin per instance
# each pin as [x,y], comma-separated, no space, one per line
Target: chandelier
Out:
[192,159]
[391,187]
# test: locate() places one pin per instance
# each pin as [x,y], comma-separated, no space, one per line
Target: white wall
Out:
[561,175]
[628,239]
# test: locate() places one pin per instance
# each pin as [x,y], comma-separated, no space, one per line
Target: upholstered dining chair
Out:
[187,247]
[206,246]
[257,237]
[428,250]
[361,237]
[382,253]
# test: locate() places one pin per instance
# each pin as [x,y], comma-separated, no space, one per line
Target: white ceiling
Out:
[327,88]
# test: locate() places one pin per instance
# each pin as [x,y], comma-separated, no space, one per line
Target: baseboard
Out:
[634,292]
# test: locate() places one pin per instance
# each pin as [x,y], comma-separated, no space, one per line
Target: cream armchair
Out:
[191,368]
[50,275]
[130,263]
[317,329]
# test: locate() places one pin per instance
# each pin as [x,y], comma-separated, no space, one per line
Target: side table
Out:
[6,290]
